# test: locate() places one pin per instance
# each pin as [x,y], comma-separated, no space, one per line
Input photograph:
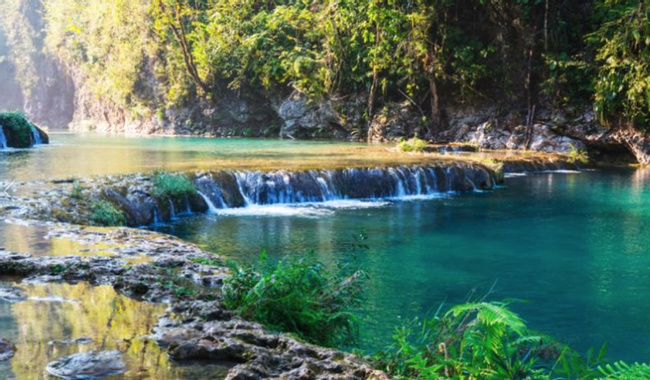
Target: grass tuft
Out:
[105,214]
[173,186]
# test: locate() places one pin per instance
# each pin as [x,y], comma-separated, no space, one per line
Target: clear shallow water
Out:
[574,246]
[112,321]
[82,155]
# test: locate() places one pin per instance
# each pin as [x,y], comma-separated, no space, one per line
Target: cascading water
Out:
[3,139]
[36,136]
[236,189]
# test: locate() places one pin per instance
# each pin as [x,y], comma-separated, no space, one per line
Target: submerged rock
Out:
[82,340]
[87,365]
[11,293]
[7,349]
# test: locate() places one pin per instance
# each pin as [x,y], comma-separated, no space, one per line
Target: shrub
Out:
[105,214]
[413,145]
[298,295]
[578,155]
[175,186]
[482,340]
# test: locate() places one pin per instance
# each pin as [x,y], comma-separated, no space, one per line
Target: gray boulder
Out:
[85,365]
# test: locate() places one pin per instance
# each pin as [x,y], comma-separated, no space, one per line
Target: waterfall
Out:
[36,136]
[172,212]
[220,190]
[156,216]
[3,138]
[211,207]
[236,189]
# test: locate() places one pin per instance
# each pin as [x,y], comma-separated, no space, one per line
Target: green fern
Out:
[621,370]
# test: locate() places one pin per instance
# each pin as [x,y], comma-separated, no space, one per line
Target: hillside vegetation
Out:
[149,56]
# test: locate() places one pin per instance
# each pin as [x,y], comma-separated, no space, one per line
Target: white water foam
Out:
[275,210]
[424,197]
[562,171]
[559,171]
[308,210]
[514,175]
[53,299]
[350,204]
[36,136]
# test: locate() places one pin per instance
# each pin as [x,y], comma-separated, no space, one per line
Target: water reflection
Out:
[35,240]
[57,312]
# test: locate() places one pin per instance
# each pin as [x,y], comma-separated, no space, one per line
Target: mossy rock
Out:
[19,132]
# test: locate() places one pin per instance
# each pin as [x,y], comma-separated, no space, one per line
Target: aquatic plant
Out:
[105,214]
[299,295]
[173,186]
[413,145]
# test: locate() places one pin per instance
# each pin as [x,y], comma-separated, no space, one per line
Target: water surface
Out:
[574,246]
[54,313]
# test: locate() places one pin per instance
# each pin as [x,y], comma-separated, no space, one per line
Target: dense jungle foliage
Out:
[153,54]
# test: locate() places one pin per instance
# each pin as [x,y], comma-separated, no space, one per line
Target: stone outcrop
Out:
[7,349]
[17,132]
[397,120]
[304,119]
[193,329]
[87,365]
[196,331]
[636,141]
[231,116]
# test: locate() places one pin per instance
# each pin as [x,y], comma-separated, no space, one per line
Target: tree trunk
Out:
[435,106]
[181,37]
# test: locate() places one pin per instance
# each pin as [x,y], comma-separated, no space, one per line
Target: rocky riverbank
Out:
[197,326]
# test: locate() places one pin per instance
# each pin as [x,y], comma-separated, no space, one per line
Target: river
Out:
[571,246]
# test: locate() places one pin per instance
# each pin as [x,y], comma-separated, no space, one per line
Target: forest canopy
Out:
[155,54]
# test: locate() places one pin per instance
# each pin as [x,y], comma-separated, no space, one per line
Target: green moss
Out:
[17,268]
[207,261]
[105,214]
[18,129]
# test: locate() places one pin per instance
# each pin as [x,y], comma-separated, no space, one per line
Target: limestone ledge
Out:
[197,326]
